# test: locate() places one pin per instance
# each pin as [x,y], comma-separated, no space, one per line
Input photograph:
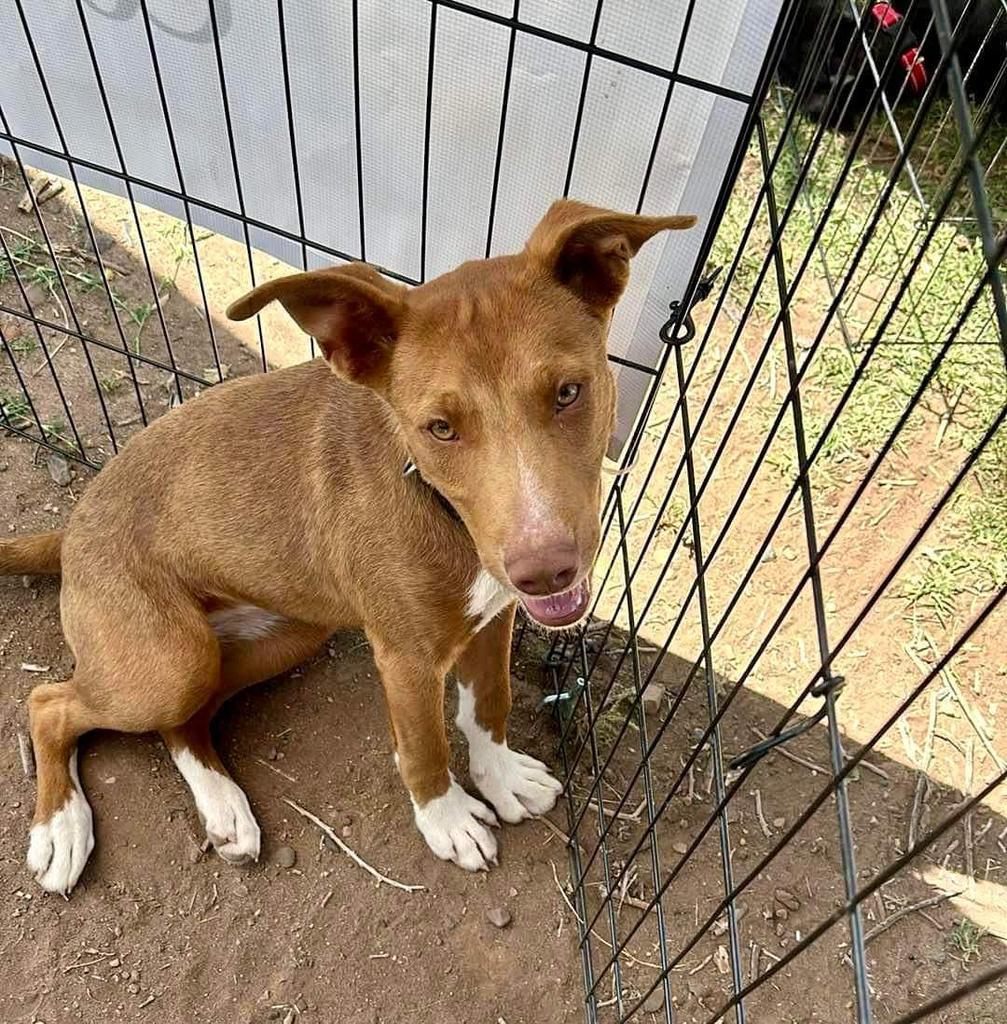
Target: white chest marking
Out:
[244,622]
[487,599]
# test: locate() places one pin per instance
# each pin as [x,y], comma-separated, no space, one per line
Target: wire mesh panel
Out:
[779,729]
[803,569]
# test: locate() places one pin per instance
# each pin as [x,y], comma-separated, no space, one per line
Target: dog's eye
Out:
[567,395]
[442,430]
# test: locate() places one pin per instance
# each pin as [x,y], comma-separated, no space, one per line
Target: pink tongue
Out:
[559,609]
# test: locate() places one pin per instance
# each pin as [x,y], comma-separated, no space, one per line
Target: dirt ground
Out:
[153,918]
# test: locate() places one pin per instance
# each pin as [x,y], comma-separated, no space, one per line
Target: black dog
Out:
[905,48]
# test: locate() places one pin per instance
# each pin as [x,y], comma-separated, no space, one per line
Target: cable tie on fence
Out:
[826,687]
[702,293]
[563,697]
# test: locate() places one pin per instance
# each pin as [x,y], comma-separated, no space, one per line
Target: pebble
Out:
[680,847]
[347,831]
[789,553]
[286,856]
[512,891]
[654,1002]
[769,555]
[114,962]
[788,899]
[779,822]
[652,698]
[272,754]
[499,917]
[59,469]
[134,976]
[132,989]
[194,855]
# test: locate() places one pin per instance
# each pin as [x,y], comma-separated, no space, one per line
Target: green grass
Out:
[969,544]
[966,939]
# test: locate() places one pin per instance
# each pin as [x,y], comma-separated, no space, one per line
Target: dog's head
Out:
[498,379]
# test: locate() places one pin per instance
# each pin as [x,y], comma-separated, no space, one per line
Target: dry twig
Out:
[358,860]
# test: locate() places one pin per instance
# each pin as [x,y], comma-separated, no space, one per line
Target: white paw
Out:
[223,809]
[453,826]
[518,786]
[58,848]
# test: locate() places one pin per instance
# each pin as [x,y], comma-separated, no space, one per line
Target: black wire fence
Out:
[804,554]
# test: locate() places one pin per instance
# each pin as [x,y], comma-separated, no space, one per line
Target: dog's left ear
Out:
[588,249]
[352,312]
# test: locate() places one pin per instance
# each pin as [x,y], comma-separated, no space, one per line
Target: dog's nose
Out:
[545,571]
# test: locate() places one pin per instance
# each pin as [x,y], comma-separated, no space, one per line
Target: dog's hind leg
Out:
[220,802]
[62,834]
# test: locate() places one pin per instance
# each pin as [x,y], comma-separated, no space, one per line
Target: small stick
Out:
[52,352]
[913,908]
[358,860]
[148,1000]
[272,768]
[87,963]
[27,666]
[764,825]
[625,952]
[753,965]
[790,755]
[28,761]
[921,775]
[701,965]
[326,898]
[970,864]
[556,830]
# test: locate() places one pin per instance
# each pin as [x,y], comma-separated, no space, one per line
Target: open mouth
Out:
[559,610]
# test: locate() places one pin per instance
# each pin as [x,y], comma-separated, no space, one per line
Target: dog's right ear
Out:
[352,312]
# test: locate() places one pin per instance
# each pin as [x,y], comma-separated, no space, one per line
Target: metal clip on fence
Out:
[703,290]
[823,688]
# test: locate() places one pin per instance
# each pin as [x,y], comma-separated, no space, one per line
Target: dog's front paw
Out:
[454,826]
[517,785]
[58,848]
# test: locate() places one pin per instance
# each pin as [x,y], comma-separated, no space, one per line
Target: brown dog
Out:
[232,537]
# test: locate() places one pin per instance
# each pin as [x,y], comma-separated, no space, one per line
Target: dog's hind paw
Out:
[58,848]
[454,826]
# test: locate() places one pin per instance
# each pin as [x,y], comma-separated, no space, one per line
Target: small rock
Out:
[779,822]
[769,555]
[132,989]
[134,976]
[499,917]
[512,891]
[654,1002]
[789,553]
[286,856]
[59,469]
[110,781]
[347,831]
[782,913]
[35,295]
[114,962]
[681,848]
[652,698]
[194,855]
[721,959]
[788,899]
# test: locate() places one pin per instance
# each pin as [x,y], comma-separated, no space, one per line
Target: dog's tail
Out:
[38,553]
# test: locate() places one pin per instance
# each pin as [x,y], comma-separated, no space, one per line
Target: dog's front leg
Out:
[453,823]
[517,785]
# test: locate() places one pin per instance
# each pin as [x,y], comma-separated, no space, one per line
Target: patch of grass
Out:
[23,344]
[968,389]
[966,939]
[15,408]
[110,385]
